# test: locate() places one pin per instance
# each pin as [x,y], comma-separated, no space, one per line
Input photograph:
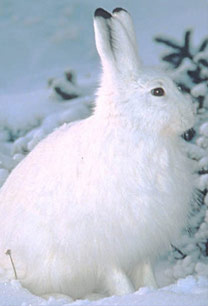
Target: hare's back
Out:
[45,169]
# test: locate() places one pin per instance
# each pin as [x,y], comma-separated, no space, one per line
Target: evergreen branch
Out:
[203,62]
[167,42]
[173,58]
[203,45]
[187,40]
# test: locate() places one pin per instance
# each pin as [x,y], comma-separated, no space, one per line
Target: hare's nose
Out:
[188,135]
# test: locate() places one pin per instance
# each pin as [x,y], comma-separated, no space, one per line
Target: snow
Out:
[199,90]
[187,292]
[40,40]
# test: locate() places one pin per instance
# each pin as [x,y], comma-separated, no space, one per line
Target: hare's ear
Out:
[103,38]
[114,45]
[127,22]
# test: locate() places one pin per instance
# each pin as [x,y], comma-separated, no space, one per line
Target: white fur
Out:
[92,205]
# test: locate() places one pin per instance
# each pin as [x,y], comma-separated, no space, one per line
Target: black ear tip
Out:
[102,13]
[119,9]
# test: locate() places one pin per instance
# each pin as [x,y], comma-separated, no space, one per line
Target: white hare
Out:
[94,203]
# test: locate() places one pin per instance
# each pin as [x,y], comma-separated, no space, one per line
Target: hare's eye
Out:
[159,92]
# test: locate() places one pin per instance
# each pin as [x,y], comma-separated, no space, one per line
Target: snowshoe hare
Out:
[95,202]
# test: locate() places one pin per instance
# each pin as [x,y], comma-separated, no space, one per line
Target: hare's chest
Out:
[156,168]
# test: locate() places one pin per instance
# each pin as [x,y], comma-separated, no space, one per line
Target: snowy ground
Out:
[187,292]
[41,40]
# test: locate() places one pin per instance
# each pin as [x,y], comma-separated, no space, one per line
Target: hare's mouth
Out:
[189,134]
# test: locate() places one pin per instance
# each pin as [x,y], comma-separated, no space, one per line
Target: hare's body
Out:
[95,201]
[117,217]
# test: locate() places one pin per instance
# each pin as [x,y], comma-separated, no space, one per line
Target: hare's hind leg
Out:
[143,276]
[149,276]
[116,282]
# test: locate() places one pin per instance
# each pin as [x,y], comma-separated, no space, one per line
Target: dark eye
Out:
[158,92]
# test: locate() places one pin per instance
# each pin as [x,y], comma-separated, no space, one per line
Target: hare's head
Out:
[140,97]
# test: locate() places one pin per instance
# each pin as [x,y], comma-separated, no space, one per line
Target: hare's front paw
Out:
[94,297]
[57,296]
[117,283]
[143,276]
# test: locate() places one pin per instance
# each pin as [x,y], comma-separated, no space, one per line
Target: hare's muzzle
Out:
[189,134]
